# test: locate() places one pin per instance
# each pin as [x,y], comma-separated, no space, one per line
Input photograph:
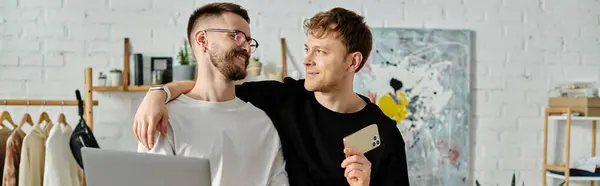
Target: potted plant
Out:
[116,77]
[186,69]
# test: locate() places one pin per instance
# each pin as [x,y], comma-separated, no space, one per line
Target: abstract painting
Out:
[420,79]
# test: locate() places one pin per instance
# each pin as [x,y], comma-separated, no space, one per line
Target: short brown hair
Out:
[214,9]
[354,32]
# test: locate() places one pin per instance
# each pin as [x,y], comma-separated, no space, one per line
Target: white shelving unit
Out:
[557,114]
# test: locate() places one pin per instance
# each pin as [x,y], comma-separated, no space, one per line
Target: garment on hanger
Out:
[82,135]
[61,168]
[12,158]
[4,134]
[7,124]
[31,167]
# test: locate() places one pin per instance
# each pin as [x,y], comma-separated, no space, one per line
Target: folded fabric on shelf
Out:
[577,172]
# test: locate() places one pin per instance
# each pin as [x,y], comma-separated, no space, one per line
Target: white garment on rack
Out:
[61,168]
[238,139]
[31,166]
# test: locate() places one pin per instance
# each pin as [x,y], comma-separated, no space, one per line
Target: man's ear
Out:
[355,60]
[200,40]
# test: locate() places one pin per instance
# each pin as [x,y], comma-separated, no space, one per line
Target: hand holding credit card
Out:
[357,166]
[364,140]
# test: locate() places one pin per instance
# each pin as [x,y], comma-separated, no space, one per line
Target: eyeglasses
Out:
[239,37]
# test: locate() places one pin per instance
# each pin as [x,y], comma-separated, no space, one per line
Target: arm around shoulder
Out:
[152,114]
[164,144]
[265,94]
[177,88]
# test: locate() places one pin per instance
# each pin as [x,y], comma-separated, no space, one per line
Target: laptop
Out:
[110,167]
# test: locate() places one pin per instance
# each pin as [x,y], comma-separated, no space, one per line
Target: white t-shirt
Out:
[239,140]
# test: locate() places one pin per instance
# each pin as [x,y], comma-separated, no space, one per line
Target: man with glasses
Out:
[209,121]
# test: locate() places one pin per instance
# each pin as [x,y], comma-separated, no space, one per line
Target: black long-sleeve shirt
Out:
[312,135]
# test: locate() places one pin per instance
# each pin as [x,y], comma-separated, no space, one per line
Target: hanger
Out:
[62,119]
[44,117]
[6,116]
[26,119]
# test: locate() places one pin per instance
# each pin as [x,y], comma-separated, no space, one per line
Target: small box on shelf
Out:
[585,106]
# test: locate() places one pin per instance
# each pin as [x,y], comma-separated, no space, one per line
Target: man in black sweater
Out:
[313,115]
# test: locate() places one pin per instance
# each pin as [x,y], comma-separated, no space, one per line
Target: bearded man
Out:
[210,122]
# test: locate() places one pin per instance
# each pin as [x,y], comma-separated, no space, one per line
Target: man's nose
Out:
[246,47]
[308,59]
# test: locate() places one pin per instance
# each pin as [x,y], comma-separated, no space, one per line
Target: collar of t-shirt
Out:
[226,105]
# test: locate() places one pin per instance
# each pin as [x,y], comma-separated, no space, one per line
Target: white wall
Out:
[524,47]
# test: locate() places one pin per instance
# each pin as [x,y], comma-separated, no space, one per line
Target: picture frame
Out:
[164,64]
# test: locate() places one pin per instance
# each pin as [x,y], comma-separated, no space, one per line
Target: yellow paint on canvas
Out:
[393,109]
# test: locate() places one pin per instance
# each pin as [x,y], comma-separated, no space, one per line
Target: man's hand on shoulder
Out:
[151,114]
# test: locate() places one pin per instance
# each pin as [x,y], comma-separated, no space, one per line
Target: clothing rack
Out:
[88,103]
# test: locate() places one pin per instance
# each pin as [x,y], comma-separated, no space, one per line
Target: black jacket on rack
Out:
[82,135]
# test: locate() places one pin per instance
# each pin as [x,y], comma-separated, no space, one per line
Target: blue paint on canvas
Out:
[420,78]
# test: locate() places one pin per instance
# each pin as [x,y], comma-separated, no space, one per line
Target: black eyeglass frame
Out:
[248,39]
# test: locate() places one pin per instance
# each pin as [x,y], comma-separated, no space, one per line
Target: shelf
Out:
[120,88]
[573,178]
[574,118]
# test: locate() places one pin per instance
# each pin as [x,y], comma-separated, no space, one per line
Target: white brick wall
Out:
[523,48]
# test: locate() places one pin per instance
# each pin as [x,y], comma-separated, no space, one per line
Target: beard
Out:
[225,62]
